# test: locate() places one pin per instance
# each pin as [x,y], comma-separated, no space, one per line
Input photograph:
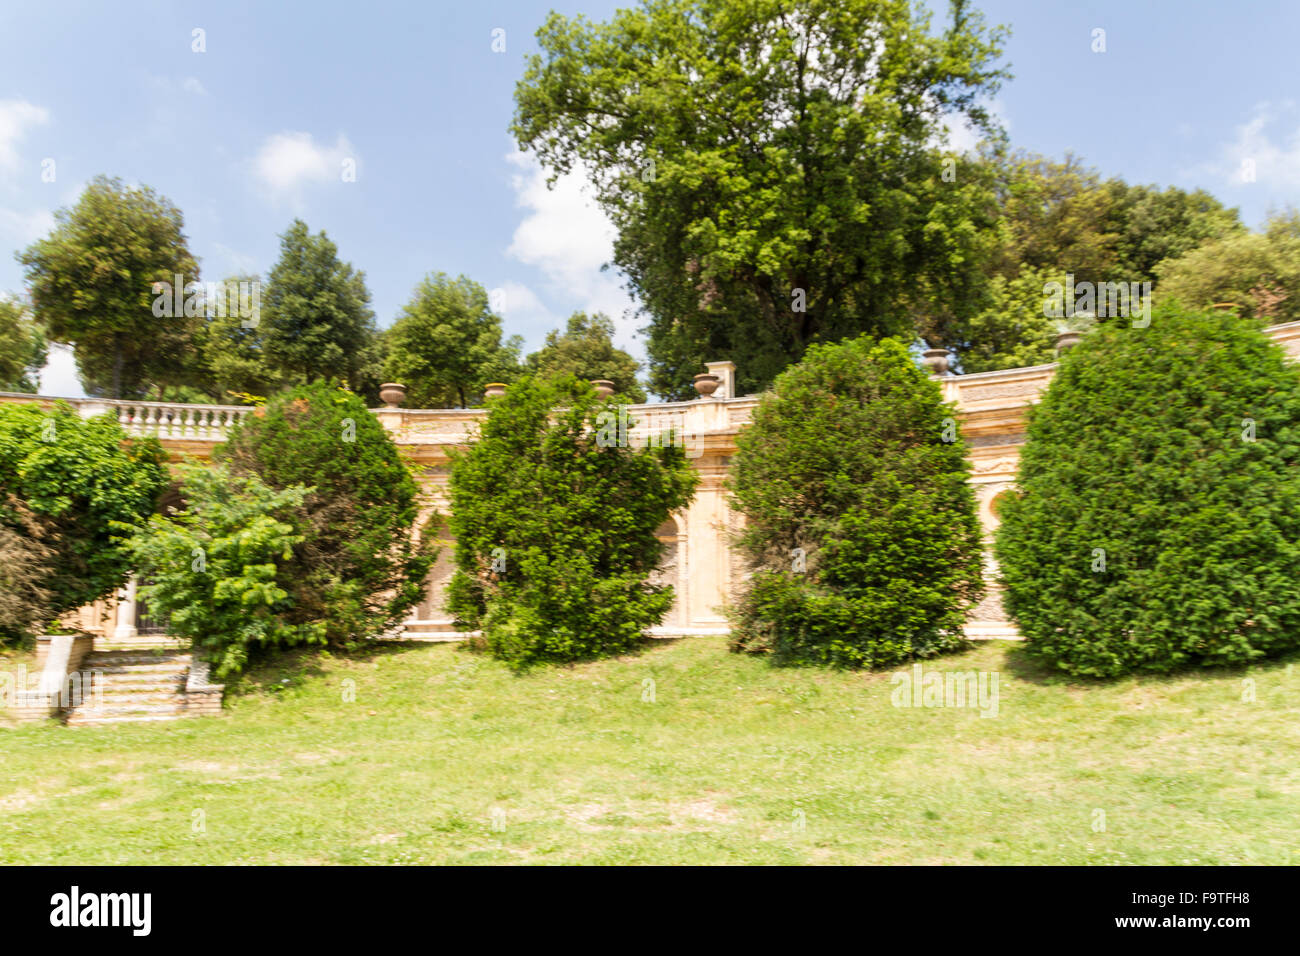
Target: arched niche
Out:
[672,570]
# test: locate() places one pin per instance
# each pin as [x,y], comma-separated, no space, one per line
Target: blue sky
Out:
[254,131]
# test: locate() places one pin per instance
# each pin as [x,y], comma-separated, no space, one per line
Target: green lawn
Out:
[447,757]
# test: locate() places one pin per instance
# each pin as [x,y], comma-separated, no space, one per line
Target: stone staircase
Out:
[131,686]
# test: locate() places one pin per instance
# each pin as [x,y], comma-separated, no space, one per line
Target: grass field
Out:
[447,757]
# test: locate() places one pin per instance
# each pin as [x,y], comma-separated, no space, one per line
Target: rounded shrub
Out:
[360,566]
[1158,522]
[860,528]
[555,510]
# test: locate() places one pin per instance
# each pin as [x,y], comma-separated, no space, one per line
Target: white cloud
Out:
[568,238]
[16,118]
[289,161]
[1265,147]
[520,305]
[192,85]
[59,377]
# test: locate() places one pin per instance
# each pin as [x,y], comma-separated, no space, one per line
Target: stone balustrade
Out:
[164,420]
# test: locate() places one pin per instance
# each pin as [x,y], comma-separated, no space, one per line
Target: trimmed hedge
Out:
[555,518]
[1158,523]
[861,529]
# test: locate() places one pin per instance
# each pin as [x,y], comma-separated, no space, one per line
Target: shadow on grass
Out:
[275,669]
[1021,663]
[646,647]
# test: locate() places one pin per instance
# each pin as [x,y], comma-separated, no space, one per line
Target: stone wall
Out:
[991,407]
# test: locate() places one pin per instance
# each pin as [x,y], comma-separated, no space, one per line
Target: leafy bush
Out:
[218,570]
[73,483]
[359,567]
[860,527]
[555,522]
[1158,523]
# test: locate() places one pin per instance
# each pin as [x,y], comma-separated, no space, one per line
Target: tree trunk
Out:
[117,365]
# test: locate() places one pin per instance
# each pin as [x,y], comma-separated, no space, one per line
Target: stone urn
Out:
[936,360]
[604,387]
[1068,339]
[706,384]
[494,389]
[392,394]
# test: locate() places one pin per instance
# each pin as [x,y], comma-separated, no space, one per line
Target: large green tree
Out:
[92,283]
[585,349]
[1060,218]
[1258,274]
[22,348]
[446,345]
[769,166]
[234,357]
[316,313]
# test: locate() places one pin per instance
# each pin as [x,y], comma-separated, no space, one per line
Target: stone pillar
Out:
[126,611]
[726,372]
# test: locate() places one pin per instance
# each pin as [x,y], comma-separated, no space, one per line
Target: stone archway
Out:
[672,570]
[430,610]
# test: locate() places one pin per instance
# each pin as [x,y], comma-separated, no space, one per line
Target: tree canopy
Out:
[1257,274]
[1059,218]
[446,345]
[92,283]
[770,166]
[585,349]
[233,354]
[316,313]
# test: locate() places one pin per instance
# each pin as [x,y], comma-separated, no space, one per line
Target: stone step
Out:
[431,632]
[120,683]
[173,705]
[144,670]
[75,720]
[139,643]
[101,668]
[133,657]
[112,695]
